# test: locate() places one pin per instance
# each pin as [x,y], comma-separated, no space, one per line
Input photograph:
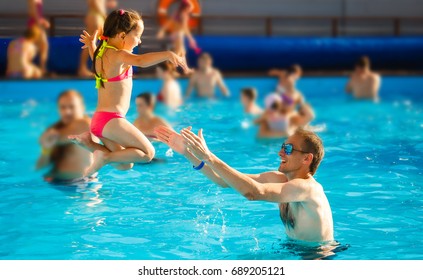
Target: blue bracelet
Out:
[201,165]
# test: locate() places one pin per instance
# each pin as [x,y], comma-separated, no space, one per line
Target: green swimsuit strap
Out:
[103,47]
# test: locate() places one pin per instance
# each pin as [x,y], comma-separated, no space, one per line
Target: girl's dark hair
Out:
[116,22]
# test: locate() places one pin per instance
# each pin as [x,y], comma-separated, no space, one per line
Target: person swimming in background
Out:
[112,64]
[248,101]
[304,209]
[36,18]
[287,85]
[279,121]
[274,122]
[94,20]
[146,121]
[21,53]
[170,93]
[364,83]
[206,78]
[67,160]
[181,30]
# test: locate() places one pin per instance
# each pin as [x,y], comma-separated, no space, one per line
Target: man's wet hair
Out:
[148,98]
[312,144]
[206,55]
[363,62]
[294,69]
[250,93]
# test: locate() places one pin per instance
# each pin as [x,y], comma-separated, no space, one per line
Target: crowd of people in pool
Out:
[77,147]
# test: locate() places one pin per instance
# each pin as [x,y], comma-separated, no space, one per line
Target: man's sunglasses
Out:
[288,148]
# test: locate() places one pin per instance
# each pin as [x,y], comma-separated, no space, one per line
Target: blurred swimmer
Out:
[146,121]
[364,83]
[114,60]
[36,18]
[206,78]
[67,160]
[170,94]
[279,121]
[248,100]
[21,53]
[303,206]
[178,27]
[287,85]
[94,21]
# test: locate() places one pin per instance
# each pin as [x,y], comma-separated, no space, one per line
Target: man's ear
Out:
[308,158]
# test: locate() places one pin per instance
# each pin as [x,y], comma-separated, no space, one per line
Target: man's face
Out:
[203,63]
[70,108]
[245,100]
[295,160]
[142,107]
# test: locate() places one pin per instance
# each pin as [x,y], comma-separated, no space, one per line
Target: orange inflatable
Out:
[163,15]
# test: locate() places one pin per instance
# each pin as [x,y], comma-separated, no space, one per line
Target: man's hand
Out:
[174,140]
[196,144]
[49,139]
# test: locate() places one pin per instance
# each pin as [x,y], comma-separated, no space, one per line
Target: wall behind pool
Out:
[262,53]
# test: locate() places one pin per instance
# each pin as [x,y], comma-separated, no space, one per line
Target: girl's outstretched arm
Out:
[153,58]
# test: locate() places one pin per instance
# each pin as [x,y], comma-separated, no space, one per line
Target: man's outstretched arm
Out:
[292,191]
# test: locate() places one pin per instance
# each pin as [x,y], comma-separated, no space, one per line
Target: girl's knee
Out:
[150,153]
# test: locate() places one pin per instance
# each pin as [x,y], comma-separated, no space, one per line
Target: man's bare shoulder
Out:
[270,177]
[374,76]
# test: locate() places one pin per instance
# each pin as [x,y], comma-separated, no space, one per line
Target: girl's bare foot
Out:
[98,163]
[84,140]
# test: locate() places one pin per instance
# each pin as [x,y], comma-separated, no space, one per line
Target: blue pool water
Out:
[372,174]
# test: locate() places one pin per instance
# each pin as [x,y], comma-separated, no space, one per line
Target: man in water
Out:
[146,121]
[67,160]
[304,207]
[364,83]
[206,78]
[249,101]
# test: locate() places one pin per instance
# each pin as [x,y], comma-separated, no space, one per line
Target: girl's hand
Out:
[174,140]
[196,144]
[179,61]
[88,40]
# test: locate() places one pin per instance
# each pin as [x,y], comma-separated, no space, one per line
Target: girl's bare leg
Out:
[137,147]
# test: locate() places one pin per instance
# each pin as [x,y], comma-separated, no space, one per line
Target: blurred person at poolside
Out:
[206,78]
[279,121]
[21,53]
[178,28]
[36,18]
[67,160]
[364,83]
[303,206]
[94,21]
[170,93]
[147,121]
[287,85]
[248,101]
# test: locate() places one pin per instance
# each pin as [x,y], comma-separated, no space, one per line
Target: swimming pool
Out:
[372,174]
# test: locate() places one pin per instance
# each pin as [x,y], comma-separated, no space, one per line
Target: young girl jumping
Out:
[112,62]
